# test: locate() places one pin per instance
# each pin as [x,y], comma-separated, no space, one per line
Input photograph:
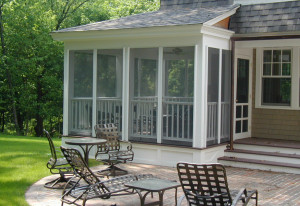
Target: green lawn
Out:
[22,162]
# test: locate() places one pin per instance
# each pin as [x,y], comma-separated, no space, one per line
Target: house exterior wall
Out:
[273,123]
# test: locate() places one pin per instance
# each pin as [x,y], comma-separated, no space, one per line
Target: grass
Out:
[22,163]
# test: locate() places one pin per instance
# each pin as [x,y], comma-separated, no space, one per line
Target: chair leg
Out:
[58,183]
[113,171]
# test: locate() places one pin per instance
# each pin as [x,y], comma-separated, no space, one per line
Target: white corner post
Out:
[126,94]
[160,95]
[94,107]
[199,129]
[66,94]
[220,96]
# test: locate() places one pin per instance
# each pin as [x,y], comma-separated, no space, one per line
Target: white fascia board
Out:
[216,31]
[268,43]
[181,30]
[269,34]
[221,17]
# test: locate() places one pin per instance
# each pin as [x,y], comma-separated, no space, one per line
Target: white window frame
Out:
[295,90]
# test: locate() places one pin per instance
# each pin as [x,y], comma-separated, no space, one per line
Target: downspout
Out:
[232,93]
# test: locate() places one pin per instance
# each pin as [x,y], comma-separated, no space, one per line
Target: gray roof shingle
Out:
[271,17]
[162,17]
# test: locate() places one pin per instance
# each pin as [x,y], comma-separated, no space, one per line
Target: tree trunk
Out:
[2,121]
[39,119]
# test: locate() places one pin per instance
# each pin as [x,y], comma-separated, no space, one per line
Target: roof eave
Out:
[266,34]
[160,31]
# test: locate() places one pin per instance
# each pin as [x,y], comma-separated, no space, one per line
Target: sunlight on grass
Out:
[22,163]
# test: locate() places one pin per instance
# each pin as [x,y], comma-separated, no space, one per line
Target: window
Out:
[276,77]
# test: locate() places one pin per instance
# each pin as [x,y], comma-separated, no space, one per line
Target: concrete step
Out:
[262,155]
[260,164]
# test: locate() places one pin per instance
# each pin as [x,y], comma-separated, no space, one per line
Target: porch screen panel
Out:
[212,95]
[143,104]
[179,95]
[81,90]
[225,95]
[109,87]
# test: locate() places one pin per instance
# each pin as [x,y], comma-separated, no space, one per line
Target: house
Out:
[183,81]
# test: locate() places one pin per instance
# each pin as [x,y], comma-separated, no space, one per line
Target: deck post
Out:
[199,137]
[94,107]
[126,94]
[66,94]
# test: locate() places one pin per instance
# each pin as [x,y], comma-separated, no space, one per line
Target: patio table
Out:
[153,185]
[86,144]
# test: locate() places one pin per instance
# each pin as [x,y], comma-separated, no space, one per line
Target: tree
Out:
[31,75]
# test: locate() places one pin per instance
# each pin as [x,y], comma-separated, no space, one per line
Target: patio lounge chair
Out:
[57,166]
[111,152]
[206,184]
[93,187]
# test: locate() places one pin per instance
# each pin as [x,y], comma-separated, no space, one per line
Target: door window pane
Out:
[243,81]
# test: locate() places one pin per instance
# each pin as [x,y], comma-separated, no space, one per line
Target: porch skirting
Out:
[166,155]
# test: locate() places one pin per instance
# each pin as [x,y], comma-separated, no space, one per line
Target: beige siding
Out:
[272,123]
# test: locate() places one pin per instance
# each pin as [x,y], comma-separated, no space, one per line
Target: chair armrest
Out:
[129,147]
[245,196]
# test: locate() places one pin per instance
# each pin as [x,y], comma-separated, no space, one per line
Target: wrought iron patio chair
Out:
[93,187]
[111,152]
[57,165]
[206,184]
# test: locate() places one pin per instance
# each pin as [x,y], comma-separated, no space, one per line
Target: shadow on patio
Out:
[273,188]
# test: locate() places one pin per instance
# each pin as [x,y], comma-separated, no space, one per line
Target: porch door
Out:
[242,123]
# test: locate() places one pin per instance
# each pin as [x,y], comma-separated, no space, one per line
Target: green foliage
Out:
[34,62]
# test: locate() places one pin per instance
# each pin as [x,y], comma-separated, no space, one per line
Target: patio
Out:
[274,188]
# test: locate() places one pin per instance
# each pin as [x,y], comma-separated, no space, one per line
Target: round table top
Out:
[85,141]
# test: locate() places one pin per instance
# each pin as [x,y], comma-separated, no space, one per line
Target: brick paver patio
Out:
[274,188]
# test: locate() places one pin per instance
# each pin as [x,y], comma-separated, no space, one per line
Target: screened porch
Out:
[153,98]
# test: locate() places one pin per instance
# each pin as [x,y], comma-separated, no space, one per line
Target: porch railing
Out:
[143,117]
[178,118]
[81,114]
[109,110]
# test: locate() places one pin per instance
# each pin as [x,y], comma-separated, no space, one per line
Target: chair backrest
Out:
[53,159]
[110,133]
[208,181]
[79,166]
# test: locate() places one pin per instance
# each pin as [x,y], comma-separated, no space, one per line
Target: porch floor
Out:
[279,189]
[270,142]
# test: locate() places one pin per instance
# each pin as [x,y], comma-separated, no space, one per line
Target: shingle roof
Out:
[162,17]
[167,4]
[272,17]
